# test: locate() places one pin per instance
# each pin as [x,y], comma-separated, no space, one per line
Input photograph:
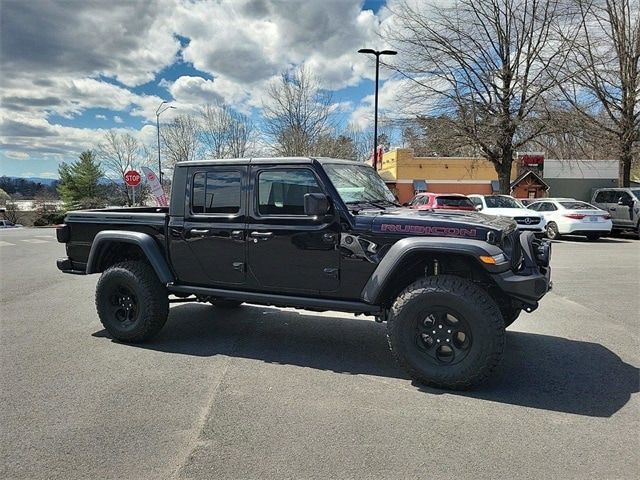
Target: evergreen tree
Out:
[79,187]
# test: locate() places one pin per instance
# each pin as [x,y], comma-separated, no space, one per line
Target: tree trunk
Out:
[624,164]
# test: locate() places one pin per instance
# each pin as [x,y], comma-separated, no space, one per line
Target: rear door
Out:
[212,250]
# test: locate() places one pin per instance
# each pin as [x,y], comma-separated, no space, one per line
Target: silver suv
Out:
[623,204]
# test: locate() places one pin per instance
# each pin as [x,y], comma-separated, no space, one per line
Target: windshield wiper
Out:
[373,203]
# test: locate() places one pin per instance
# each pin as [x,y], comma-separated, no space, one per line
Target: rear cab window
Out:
[216,192]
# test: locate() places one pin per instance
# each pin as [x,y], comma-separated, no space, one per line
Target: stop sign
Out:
[132,178]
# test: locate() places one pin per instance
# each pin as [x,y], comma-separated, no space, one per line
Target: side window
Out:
[606,196]
[475,200]
[534,206]
[551,207]
[282,191]
[626,198]
[216,192]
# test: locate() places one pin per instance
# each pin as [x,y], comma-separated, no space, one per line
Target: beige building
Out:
[407,175]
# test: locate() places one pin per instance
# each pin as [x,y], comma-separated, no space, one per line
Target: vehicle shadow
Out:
[538,371]
[579,239]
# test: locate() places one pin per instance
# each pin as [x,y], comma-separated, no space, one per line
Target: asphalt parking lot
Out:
[266,393]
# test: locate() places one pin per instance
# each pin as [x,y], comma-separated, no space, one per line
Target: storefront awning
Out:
[420,185]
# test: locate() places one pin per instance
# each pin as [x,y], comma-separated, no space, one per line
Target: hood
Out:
[436,223]
[512,212]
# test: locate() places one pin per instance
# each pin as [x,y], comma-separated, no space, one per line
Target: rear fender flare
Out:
[147,244]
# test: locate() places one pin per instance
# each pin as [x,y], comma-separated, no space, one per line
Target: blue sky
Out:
[70,73]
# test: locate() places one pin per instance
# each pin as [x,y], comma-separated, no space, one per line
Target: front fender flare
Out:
[378,281]
[147,244]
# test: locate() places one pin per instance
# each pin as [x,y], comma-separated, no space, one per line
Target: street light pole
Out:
[160,111]
[377,53]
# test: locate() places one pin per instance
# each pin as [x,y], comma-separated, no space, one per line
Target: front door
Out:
[286,249]
[212,250]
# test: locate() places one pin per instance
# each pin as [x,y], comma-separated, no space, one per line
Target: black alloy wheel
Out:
[443,336]
[124,306]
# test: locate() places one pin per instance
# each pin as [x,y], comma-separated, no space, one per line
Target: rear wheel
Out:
[447,332]
[552,231]
[132,303]
[592,237]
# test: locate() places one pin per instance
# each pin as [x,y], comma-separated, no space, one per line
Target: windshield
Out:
[356,183]
[454,202]
[502,201]
[577,206]
[636,192]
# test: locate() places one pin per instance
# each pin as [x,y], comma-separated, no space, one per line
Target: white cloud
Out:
[101,117]
[16,155]
[117,119]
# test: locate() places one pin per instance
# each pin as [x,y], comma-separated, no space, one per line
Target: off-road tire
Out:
[552,231]
[481,314]
[226,303]
[510,315]
[592,237]
[151,300]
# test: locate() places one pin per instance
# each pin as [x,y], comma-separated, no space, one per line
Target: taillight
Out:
[575,216]
[606,216]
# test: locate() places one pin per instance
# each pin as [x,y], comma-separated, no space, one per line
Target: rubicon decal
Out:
[426,230]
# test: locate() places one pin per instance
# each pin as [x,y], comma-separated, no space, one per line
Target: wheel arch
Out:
[411,257]
[112,246]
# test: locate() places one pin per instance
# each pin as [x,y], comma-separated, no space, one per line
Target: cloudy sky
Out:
[71,70]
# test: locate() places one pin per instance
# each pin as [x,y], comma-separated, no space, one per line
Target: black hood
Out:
[438,223]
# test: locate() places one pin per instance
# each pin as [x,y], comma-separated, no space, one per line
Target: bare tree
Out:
[296,113]
[181,139]
[225,132]
[484,68]
[12,212]
[119,153]
[604,62]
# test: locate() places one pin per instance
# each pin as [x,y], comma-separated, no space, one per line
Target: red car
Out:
[441,201]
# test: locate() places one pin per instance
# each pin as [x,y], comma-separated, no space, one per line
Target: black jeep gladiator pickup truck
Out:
[318,234]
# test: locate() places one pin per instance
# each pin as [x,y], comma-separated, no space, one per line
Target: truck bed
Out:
[84,225]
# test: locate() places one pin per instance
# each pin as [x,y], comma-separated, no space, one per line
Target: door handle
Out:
[237,235]
[260,236]
[198,232]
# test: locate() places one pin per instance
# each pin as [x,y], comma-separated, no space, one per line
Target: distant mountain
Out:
[51,181]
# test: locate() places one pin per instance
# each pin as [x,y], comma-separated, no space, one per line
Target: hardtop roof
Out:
[267,160]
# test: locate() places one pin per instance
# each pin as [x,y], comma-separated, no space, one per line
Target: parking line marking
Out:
[44,236]
[7,244]
[34,240]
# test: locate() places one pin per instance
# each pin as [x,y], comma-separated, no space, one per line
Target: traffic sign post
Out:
[132,178]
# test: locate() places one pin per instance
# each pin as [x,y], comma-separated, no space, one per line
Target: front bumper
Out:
[533,280]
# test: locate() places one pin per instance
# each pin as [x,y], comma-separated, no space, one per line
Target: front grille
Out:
[513,250]
[527,220]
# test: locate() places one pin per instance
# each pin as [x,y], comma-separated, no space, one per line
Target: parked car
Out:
[440,201]
[319,234]
[566,216]
[623,204]
[8,224]
[507,206]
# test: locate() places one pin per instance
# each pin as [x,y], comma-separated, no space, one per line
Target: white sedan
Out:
[566,216]
[507,206]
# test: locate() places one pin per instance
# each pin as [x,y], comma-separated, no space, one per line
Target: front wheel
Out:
[446,332]
[552,231]
[132,303]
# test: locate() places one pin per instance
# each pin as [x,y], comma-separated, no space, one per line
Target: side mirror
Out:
[315,204]
[478,208]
